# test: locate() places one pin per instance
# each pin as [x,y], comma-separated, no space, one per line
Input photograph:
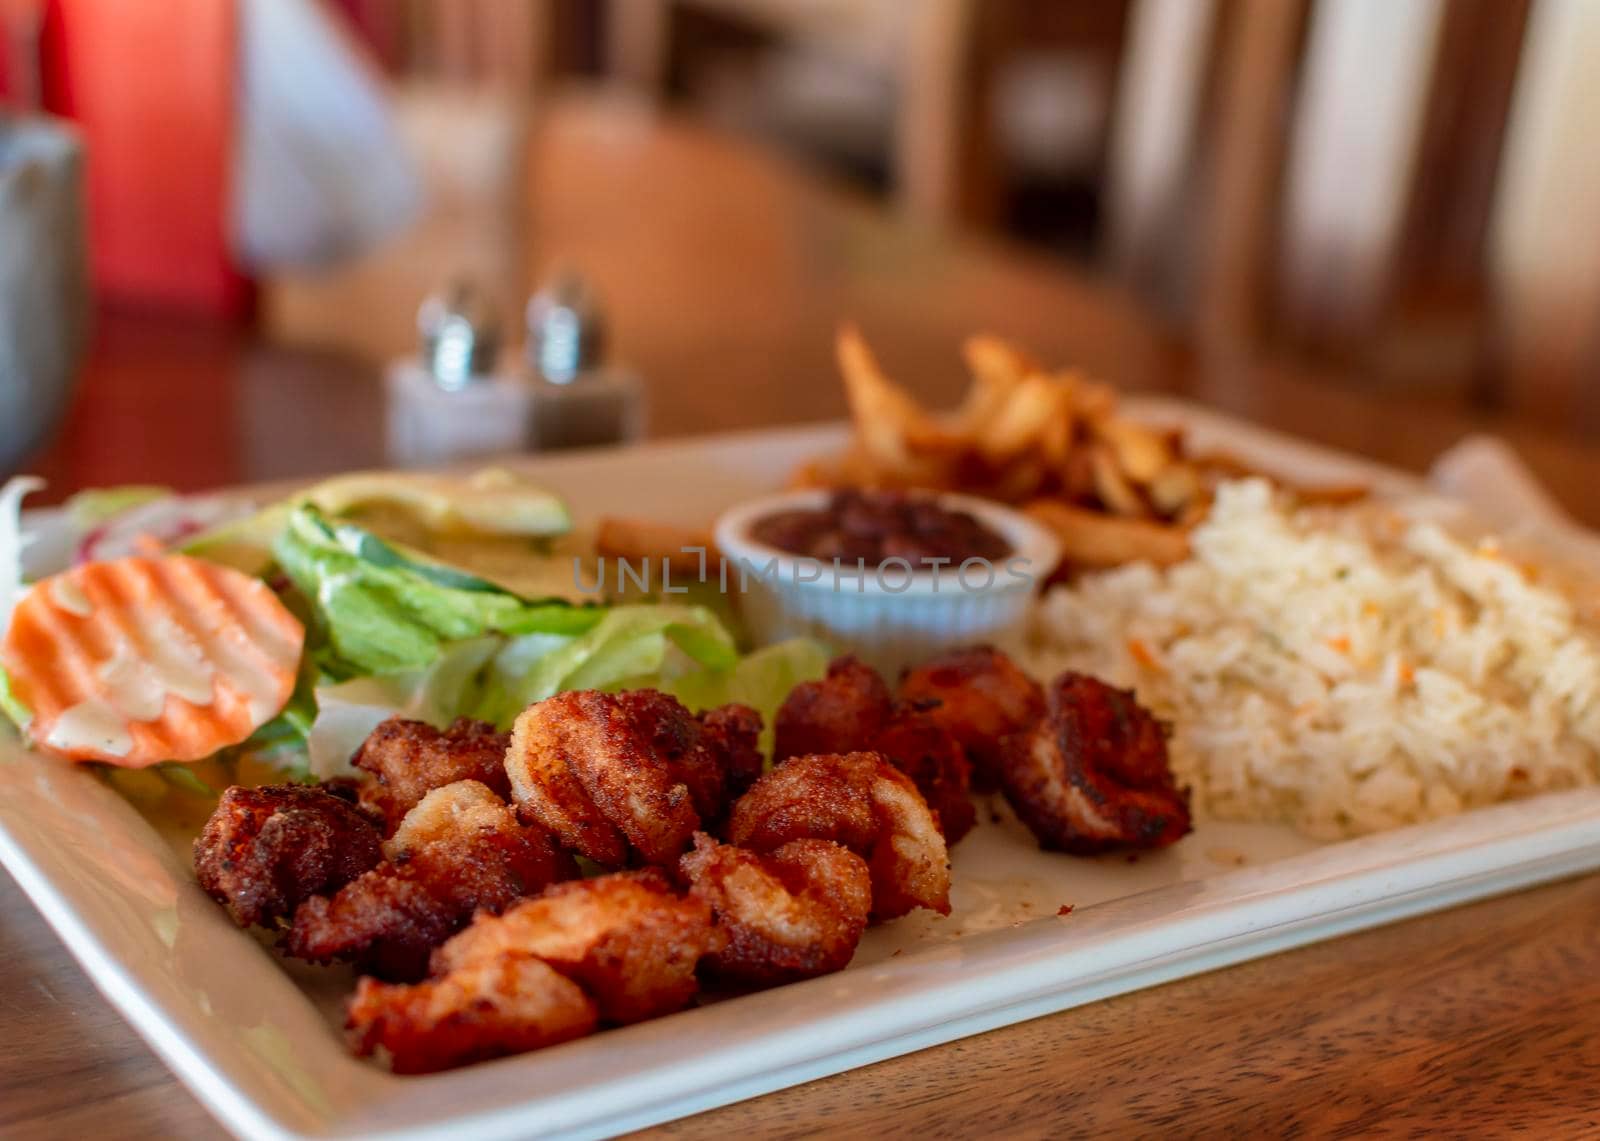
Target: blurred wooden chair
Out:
[1407,188]
[511,45]
[936,58]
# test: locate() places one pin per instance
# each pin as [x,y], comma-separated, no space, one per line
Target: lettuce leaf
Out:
[493,678]
[445,689]
[377,610]
[631,646]
[762,681]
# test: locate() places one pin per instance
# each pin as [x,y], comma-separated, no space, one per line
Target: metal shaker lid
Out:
[460,335]
[566,329]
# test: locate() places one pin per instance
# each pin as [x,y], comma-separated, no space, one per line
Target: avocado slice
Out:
[493,501]
[438,523]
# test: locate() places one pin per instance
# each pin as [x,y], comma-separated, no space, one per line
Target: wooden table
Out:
[725,271]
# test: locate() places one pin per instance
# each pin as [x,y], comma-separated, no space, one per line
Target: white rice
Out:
[1345,670]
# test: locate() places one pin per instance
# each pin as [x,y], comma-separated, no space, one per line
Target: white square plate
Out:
[256,1038]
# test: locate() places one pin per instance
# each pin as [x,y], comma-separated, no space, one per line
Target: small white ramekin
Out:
[886,617]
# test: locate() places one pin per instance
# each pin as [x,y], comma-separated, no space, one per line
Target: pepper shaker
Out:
[448,402]
[578,400]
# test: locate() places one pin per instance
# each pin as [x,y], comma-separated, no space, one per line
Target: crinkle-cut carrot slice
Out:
[147,659]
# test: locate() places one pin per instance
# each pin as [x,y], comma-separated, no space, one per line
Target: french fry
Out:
[1092,540]
[1195,511]
[1140,452]
[1024,434]
[641,540]
[1028,408]
[1174,489]
[1112,486]
[879,409]
[1055,441]
[889,421]
[1092,400]
[997,368]
[1076,473]
[1019,480]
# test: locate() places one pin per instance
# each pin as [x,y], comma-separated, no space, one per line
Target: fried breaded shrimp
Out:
[841,713]
[1093,774]
[506,1005]
[861,801]
[936,763]
[460,850]
[267,850]
[615,775]
[851,711]
[409,759]
[732,735]
[628,939]
[793,913]
[983,697]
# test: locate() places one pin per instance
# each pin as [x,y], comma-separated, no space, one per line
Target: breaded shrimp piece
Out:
[841,713]
[629,939]
[793,913]
[731,734]
[851,711]
[409,759]
[936,763]
[982,698]
[459,851]
[506,1005]
[1093,775]
[861,801]
[267,850]
[628,775]
[716,754]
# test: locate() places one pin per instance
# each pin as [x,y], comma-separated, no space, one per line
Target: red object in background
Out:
[378,24]
[152,87]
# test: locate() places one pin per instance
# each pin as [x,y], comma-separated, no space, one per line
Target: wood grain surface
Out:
[1477,1021]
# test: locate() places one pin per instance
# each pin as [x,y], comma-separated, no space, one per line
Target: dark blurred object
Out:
[980,113]
[44,290]
[510,45]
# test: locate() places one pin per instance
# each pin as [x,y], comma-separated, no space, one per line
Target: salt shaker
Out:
[577,399]
[449,402]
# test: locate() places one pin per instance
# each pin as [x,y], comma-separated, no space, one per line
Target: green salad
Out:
[437,597]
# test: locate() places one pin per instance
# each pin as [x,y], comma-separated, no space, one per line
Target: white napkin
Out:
[1488,475]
